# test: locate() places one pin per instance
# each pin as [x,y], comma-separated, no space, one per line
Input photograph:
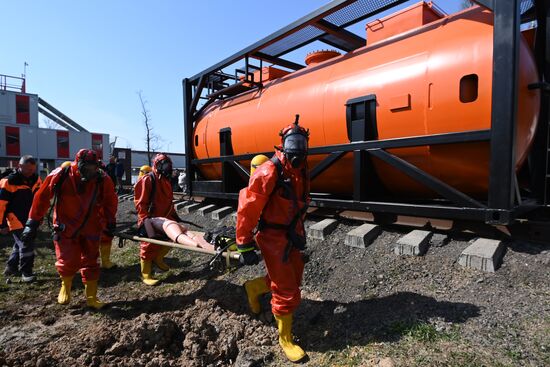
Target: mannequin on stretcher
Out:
[177,232]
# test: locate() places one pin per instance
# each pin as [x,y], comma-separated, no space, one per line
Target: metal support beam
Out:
[430,211]
[539,154]
[426,179]
[504,105]
[56,119]
[188,121]
[349,41]
[198,92]
[324,164]
[415,141]
[61,115]
[360,175]
[278,61]
[243,172]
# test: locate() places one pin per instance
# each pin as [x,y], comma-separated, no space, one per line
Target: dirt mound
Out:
[202,335]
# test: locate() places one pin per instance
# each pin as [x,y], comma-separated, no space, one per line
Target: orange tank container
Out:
[433,79]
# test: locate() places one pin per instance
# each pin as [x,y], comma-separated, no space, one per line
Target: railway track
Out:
[485,252]
[537,231]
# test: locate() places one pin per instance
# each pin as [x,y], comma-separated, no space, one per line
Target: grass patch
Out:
[12,290]
[348,357]
[422,331]
[514,355]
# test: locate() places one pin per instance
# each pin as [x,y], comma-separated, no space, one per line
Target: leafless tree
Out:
[50,124]
[466,4]
[152,140]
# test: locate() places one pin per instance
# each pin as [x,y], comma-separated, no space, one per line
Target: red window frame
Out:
[62,144]
[13,141]
[97,145]
[22,109]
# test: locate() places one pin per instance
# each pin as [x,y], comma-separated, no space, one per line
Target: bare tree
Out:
[152,140]
[466,4]
[50,124]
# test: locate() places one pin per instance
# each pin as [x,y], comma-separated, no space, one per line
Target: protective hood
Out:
[162,165]
[88,166]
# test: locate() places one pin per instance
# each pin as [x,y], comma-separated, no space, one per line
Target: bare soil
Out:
[361,307]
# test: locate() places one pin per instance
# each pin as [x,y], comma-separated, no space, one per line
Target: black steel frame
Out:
[505,202]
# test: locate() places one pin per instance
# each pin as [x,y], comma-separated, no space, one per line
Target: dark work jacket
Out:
[16,195]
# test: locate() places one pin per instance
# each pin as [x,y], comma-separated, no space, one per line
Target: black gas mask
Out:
[295,149]
[88,170]
[87,164]
[164,168]
[295,143]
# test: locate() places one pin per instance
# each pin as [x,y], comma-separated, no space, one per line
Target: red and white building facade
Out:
[20,134]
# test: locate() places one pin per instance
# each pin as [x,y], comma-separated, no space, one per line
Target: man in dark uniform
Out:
[16,195]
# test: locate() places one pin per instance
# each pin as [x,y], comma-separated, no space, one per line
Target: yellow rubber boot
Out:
[159,260]
[105,252]
[146,273]
[65,292]
[292,350]
[90,290]
[254,289]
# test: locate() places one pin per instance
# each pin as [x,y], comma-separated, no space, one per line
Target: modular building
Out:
[20,133]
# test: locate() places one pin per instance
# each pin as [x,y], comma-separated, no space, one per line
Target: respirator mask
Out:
[88,170]
[164,168]
[295,143]
[87,164]
[295,149]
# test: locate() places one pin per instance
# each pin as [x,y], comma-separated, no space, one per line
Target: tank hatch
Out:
[414,16]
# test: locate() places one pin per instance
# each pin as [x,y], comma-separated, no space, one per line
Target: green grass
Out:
[514,355]
[13,290]
[422,331]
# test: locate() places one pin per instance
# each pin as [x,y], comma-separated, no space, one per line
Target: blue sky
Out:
[89,58]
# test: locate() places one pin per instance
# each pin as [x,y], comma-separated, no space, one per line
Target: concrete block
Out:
[191,208]
[414,243]
[362,236]
[320,230]
[182,204]
[221,212]
[206,209]
[484,254]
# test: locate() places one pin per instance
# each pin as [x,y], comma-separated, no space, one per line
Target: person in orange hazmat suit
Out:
[80,193]
[153,198]
[276,200]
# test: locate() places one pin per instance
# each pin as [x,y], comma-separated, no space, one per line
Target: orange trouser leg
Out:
[67,254]
[285,277]
[89,257]
[148,251]
[78,254]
